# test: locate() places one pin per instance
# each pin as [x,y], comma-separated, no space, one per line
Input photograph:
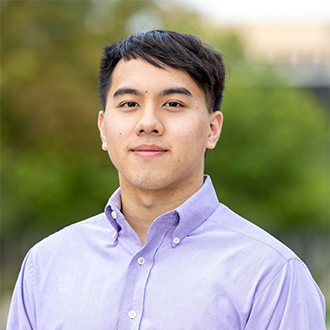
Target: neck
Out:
[141,207]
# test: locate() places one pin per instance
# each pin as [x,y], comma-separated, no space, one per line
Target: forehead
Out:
[139,73]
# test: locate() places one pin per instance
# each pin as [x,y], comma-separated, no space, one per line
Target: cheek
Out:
[115,150]
[115,130]
[190,142]
[194,134]
[114,136]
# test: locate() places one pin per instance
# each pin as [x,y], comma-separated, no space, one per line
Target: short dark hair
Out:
[177,50]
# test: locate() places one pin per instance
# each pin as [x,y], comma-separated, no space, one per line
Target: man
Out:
[165,254]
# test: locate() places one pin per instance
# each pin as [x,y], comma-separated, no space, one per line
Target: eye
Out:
[129,104]
[173,104]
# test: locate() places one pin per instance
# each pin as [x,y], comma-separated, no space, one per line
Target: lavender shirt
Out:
[202,267]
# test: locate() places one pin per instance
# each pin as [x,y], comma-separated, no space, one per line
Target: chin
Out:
[149,184]
[150,181]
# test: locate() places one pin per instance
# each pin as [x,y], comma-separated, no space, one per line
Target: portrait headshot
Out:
[163,168]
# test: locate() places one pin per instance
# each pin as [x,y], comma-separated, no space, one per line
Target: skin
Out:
[156,128]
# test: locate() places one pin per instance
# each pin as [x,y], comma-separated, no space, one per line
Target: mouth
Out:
[149,151]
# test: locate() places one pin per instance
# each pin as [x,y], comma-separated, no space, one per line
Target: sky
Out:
[262,11]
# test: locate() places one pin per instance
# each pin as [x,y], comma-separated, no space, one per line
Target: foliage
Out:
[274,149]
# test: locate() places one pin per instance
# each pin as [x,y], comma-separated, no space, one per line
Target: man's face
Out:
[156,126]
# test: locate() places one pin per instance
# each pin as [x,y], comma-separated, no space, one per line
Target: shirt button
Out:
[114,214]
[141,261]
[114,235]
[132,315]
[176,240]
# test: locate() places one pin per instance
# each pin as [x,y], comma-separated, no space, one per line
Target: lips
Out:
[149,150]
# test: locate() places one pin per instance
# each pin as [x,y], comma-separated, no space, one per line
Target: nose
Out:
[149,122]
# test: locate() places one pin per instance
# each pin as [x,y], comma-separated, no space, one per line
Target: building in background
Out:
[302,52]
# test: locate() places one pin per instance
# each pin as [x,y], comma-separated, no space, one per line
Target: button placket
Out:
[137,278]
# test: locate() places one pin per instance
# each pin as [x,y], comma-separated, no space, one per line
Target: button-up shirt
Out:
[202,267]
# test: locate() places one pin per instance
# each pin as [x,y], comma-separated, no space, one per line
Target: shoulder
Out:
[262,260]
[74,237]
[248,236]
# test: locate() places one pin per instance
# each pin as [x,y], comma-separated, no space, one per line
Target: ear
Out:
[216,120]
[100,124]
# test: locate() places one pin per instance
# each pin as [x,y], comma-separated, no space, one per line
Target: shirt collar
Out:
[113,209]
[191,214]
[195,210]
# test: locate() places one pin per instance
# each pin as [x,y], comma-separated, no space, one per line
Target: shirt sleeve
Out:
[22,312]
[292,300]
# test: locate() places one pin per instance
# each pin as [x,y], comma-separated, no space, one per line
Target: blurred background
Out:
[270,165]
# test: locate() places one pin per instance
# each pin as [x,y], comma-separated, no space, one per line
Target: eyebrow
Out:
[168,91]
[124,91]
[176,90]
